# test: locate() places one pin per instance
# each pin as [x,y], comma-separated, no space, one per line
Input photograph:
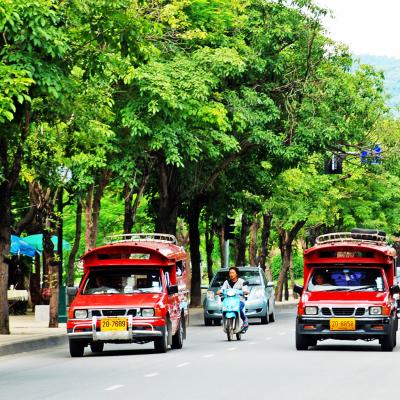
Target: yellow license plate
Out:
[342,324]
[113,324]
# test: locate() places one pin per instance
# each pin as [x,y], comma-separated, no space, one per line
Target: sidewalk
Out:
[27,334]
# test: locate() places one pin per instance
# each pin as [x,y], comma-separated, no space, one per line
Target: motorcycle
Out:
[231,321]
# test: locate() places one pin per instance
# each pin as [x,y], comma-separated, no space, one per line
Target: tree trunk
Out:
[131,210]
[209,235]
[52,267]
[5,235]
[221,240]
[168,204]
[265,235]
[253,241]
[286,239]
[75,247]
[92,207]
[241,252]
[194,235]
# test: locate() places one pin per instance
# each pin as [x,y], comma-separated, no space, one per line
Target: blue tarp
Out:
[19,246]
[37,242]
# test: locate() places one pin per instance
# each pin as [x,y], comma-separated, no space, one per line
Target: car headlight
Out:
[311,310]
[80,314]
[147,312]
[210,295]
[375,310]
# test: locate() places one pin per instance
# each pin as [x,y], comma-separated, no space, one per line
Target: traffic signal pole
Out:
[226,253]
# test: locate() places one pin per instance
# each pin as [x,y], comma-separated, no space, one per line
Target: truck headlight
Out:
[210,295]
[311,310]
[375,310]
[81,314]
[147,312]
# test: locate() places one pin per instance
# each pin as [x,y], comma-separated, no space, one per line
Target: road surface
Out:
[264,365]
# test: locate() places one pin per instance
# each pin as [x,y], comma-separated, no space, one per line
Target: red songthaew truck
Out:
[134,290]
[349,283]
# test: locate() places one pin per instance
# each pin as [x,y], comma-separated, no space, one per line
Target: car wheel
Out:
[217,321]
[177,339]
[265,319]
[97,347]
[161,343]
[272,317]
[207,321]
[76,348]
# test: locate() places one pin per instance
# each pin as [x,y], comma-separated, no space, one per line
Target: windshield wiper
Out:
[340,289]
[363,287]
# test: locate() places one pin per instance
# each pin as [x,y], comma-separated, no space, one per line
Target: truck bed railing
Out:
[375,238]
[141,237]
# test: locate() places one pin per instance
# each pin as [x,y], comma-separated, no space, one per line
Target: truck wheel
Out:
[161,343]
[76,348]
[97,347]
[207,321]
[301,341]
[177,339]
[388,342]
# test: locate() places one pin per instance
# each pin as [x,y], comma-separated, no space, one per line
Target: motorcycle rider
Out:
[235,282]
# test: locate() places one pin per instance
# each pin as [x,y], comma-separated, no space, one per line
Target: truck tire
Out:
[76,348]
[388,341]
[177,339]
[302,342]
[161,343]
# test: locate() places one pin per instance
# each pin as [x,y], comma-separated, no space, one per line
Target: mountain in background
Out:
[391,69]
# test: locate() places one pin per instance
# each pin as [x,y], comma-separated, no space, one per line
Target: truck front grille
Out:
[343,311]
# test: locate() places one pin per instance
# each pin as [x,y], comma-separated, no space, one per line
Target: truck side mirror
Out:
[394,289]
[173,289]
[72,291]
[298,289]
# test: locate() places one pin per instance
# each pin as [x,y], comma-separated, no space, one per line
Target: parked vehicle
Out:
[348,293]
[231,321]
[259,304]
[134,290]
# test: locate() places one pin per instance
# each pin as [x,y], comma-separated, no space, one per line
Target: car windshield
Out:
[253,278]
[123,281]
[346,279]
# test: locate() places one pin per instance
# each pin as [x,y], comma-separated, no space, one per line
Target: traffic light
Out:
[229,227]
[372,156]
[333,165]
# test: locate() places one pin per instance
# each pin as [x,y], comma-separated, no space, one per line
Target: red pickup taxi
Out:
[348,293]
[134,290]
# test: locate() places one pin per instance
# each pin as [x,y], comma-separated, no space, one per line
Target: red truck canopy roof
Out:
[350,251]
[135,249]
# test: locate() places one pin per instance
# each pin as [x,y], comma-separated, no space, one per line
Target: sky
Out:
[366,26]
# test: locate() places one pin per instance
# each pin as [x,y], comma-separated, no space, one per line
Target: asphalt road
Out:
[263,365]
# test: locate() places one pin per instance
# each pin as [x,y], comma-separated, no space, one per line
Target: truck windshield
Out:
[252,278]
[346,279]
[123,281]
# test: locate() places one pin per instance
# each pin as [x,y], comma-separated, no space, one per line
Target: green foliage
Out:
[276,264]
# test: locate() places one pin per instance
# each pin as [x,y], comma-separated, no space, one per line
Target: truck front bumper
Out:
[366,328]
[89,330]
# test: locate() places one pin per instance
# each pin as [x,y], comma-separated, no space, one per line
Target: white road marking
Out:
[182,365]
[209,356]
[251,343]
[283,333]
[114,387]
[232,348]
[268,338]
[151,375]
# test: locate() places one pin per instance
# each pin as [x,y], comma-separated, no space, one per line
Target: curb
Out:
[32,345]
